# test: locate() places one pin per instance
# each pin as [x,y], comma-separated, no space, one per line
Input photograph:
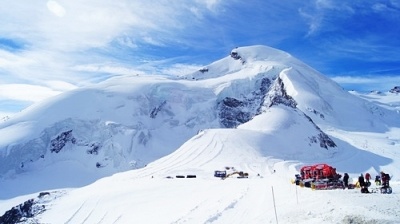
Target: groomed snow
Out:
[148,196]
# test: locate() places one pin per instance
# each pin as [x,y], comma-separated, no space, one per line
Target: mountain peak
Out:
[243,57]
[261,53]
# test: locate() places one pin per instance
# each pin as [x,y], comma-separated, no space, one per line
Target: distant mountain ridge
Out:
[128,122]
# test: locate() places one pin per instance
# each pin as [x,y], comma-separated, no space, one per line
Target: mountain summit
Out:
[128,122]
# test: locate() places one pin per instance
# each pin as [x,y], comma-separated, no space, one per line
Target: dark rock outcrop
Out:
[25,212]
[61,140]
[94,148]
[322,138]
[395,89]
[232,112]
[155,111]
[278,95]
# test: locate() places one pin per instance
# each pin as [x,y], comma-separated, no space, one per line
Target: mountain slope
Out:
[153,195]
[127,122]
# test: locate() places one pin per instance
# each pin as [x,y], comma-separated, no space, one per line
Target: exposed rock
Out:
[325,141]
[143,137]
[23,212]
[278,95]
[231,112]
[316,113]
[155,111]
[42,194]
[395,89]
[94,148]
[322,138]
[61,140]
[235,55]
[203,70]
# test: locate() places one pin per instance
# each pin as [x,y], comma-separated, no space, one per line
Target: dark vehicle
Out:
[221,174]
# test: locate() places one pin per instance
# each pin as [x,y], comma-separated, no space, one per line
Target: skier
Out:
[346,180]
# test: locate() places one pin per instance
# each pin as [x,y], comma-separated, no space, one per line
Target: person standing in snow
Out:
[385,179]
[346,180]
[364,187]
[361,181]
[367,178]
[377,180]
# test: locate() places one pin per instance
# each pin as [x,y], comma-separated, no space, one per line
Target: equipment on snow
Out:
[221,174]
[319,177]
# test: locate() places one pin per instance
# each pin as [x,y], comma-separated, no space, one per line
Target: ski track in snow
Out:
[75,213]
[224,204]
[102,218]
[88,216]
[116,220]
[180,159]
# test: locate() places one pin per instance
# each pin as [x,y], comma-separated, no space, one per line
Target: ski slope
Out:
[148,196]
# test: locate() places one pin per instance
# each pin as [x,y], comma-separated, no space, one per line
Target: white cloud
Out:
[353,79]
[152,41]
[196,11]
[25,92]
[126,41]
[395,3]
[325,4]
[212,3]
[319,13]
[93,23]
[9,60]
[383,8]
[181,69]
[56,8]
[58,85]
[111,69]
[367,83]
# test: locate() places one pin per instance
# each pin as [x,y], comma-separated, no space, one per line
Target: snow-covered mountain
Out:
[258,109]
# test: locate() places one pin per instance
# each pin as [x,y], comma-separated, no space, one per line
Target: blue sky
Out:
[48,47]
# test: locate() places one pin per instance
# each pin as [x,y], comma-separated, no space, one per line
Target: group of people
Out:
[364,181]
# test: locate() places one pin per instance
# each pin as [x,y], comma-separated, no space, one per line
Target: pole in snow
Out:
[273,198]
